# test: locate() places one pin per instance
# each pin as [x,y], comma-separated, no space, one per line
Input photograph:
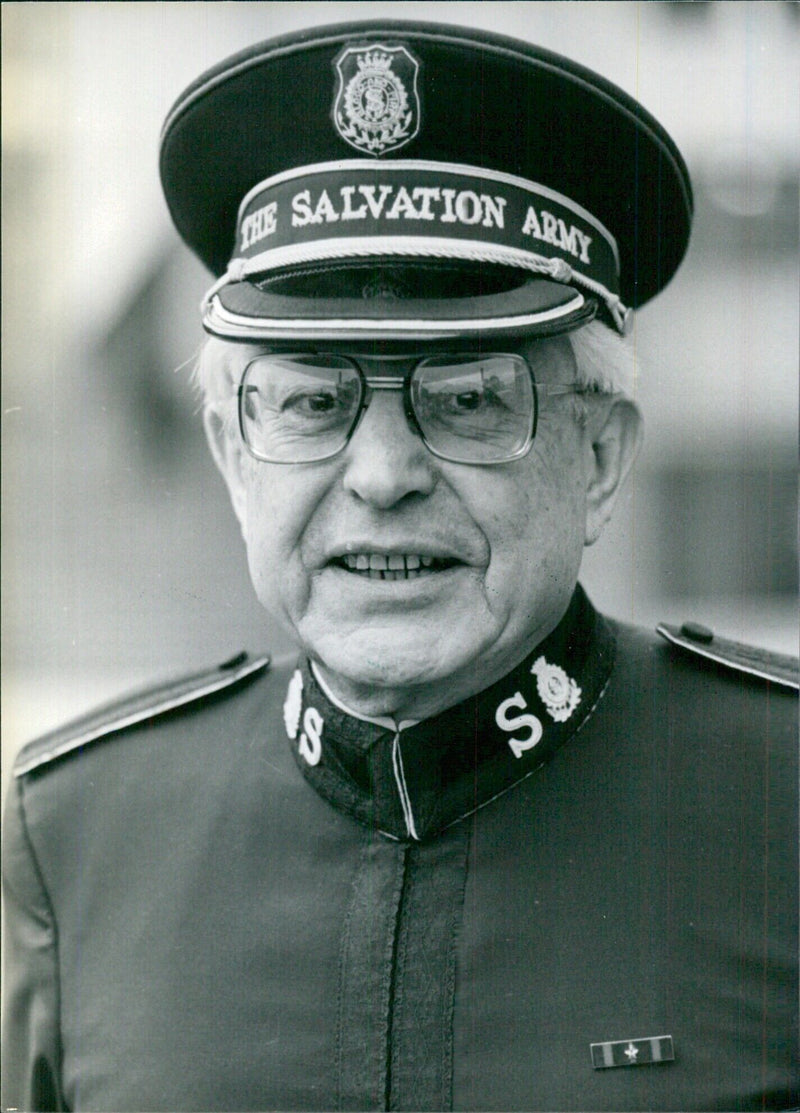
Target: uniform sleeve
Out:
[31,1040]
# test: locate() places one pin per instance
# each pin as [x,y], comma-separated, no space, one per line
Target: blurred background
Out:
[121,559]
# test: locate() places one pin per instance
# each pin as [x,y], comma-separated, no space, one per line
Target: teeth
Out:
[396,566]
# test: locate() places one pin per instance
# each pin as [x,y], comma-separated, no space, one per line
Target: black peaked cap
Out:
[485,101]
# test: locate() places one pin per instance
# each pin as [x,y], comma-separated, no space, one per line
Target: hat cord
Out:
[557,269]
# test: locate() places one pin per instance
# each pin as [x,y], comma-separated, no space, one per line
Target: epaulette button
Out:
[234,662]
[697,632]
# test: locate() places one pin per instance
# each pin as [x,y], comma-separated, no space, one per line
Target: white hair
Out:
[216,376]
[606,361]
[606,364]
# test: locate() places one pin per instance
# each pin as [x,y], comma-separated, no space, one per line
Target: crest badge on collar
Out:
[377,107]
[557,691]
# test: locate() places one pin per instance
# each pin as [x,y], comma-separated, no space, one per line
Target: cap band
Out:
[359,208]
[355,210]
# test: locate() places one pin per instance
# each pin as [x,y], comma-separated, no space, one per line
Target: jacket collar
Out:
[412,781]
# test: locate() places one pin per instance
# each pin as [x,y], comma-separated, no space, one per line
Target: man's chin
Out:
[381,661]
[393,636]
[379,671]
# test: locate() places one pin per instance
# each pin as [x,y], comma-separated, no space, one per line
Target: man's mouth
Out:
[392,566]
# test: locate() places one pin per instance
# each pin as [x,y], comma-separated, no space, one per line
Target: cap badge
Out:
[377,105]
[557,691]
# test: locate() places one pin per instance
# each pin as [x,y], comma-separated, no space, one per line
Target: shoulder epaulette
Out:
[136,707]
[779,668]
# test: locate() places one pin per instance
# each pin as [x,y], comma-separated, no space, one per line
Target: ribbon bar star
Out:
[632,1053]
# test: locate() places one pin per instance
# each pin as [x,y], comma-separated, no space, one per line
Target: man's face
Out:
[487,556]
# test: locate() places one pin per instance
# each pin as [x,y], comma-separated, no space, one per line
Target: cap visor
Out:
[241,311]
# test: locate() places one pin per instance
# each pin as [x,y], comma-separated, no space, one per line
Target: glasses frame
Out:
[372,383]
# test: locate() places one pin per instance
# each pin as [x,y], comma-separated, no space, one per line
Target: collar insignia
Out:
[412,780]
[558,692]
[632,1053]
[309,745]
[377,106]
[293,704]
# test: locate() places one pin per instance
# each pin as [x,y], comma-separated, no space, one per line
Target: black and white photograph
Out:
[440,753]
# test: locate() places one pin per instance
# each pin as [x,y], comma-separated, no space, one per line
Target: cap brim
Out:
[241,311]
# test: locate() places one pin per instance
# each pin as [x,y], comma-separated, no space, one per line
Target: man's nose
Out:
[386,460]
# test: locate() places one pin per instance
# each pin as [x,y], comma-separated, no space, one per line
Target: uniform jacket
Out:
[230,894]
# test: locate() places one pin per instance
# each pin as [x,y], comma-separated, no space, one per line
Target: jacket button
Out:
[697,633]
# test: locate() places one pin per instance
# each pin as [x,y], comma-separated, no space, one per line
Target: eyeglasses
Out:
[303,407]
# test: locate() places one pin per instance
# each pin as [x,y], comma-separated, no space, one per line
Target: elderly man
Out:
[478,847]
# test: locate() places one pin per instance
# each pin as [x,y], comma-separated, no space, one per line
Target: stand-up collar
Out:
[413,779]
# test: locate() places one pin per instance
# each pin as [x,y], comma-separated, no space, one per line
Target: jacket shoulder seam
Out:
[138,707]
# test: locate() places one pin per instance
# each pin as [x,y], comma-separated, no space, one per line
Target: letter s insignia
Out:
[518,745]
[310,744]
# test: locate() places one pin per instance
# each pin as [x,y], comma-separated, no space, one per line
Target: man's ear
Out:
[614,434]
[229,456]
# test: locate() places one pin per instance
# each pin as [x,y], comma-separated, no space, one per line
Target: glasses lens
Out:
[298,408]
[475,409]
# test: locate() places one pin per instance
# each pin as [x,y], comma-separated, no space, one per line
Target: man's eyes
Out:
[314,403]
[311,402]
[468,401]
[464,402]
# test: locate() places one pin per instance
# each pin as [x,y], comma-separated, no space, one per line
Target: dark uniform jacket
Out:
[575,891]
